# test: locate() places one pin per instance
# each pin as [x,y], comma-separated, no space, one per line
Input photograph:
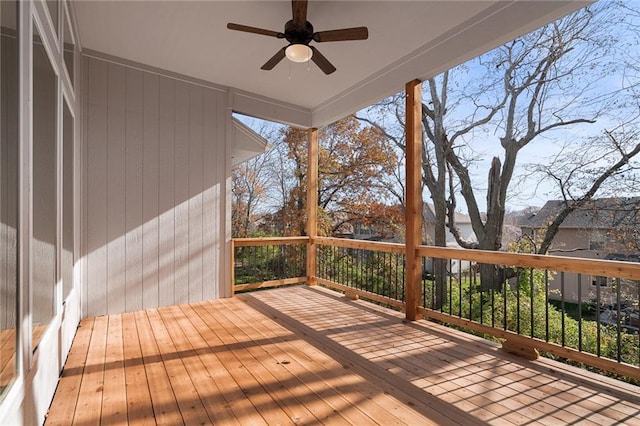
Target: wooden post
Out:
[312,203]
[413,213]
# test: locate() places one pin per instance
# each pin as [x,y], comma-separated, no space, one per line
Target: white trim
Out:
[41,10]
[25,47]
[148,68]
[28,399]
[246,143]
[225,285]
[260,142]
[270,109]
[11,407]
[49,39]
[71,10]
[57,294]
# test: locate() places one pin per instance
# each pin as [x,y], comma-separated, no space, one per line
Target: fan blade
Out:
[357,33]
[299,11]
[322,62]
[275,59]
[254,30]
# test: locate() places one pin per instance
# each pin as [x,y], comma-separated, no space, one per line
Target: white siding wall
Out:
[154,174]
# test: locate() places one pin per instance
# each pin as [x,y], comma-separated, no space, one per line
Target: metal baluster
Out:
[423,265]
[618,325]
[598,323]
[460,298]
[531,294]
[397,269]
[473,279]
[450,290]
[518,301]
[470,298]
[580,312]
[493,298]
[546,304]
[504,302]
[562,304]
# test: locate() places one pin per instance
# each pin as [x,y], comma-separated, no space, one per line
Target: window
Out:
[53,6]
[69,49]
[596,240]
[44,196]
[8,192]
[67,200]
[601,281]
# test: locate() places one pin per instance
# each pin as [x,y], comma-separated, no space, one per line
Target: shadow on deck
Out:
[307,355]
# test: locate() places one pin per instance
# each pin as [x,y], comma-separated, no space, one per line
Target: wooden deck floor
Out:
[304,355]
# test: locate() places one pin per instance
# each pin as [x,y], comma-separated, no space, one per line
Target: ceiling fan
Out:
[299,33]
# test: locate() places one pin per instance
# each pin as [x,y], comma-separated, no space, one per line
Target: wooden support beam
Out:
[312,203]
[413,213]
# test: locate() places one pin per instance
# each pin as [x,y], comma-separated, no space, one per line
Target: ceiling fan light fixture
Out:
[299,53]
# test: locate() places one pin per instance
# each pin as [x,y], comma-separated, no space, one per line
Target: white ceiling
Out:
[407,40]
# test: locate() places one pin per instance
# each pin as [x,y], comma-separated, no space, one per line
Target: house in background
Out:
[606,228]
[389,233]
[463,223]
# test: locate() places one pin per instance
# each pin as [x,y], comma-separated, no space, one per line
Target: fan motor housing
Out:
[297,35]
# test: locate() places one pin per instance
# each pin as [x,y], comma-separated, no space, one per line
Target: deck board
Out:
[306,355]
[114,403]
[139,406]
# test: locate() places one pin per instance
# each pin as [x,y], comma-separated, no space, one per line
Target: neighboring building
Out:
[385,232]
[463,223]
[604,228]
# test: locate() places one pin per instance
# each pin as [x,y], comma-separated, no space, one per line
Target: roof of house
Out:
[602,213]
[246,143]
[429,215]
[623,257]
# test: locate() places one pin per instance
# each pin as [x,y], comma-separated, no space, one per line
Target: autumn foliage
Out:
[352,161]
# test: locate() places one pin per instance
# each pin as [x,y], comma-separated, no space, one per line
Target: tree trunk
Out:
[440,265]
[491,238]
[490,277]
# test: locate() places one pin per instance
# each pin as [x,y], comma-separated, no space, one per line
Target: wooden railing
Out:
[531,308]
[268,262]
[375,271]
[517,308]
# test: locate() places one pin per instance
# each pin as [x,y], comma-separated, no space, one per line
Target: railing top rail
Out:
[599,267]
[267,241]
[361,244]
